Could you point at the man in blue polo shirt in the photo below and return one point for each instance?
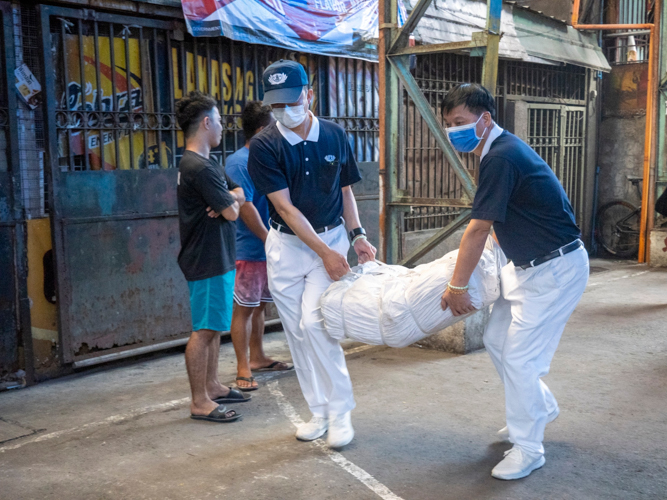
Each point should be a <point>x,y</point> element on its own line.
<point>519,195</point>
<point>306,168</point>
<point>251,291</point>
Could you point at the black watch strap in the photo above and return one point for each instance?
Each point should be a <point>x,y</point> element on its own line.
<point>356,232</point>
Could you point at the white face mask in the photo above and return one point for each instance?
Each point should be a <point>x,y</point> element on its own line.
<point>291,116</point>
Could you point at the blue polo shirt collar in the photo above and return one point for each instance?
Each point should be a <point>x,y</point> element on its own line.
<point>294,139</point>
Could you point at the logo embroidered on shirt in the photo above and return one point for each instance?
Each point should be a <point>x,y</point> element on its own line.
<point>330,158</point>
<point>277,78</point>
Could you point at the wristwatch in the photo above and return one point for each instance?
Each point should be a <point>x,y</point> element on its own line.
<point>356,232</point>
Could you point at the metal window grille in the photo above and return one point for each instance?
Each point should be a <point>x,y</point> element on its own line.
<point>631,46</point>
<point>122,118</point>
<point>30,121</point>
<point>557,134</point>
<point>4,112</point>
<point>424,172</point>
<point>545,82</point>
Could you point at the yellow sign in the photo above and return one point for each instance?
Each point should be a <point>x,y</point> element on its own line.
<point>118,92</point>
<point>113,134</point>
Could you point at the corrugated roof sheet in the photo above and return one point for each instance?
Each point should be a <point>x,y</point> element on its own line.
<point>526,35</point>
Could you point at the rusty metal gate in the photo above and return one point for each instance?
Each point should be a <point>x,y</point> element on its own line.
<point>558,133</point>
<point>111,83</point>
<point>111,138</point>
<point>15,336</point>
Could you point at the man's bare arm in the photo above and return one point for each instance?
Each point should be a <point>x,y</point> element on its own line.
<point>350,210</point>
<point>365,251</point>
<point>250,216</point>
<point>238,195</point>
<point>470,251</point>
<point>231,212</point>
<point>335,264</point>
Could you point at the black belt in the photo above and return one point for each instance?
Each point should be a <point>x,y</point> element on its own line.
<point>285,229</point>
<point>571,247</point>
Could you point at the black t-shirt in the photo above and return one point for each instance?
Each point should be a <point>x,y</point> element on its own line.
<point>208,246</point>
<point>314,170</point>
<point>520,193</point>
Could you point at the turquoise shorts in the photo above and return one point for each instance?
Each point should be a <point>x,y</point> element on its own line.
<point>211,302</point>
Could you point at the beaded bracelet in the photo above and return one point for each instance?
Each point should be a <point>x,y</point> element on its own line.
<point>457,287</point>
<point>457,290</point>
<point>359,237</point>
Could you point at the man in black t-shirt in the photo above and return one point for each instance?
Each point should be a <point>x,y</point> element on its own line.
<point>306,168</point>
<point>208,205</point>
<point>519,195</point>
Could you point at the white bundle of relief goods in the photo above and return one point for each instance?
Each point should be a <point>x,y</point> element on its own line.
<point>396,306</point>
<point>358,294</point>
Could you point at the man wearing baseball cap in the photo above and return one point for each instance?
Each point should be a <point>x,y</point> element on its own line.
<point>306,168</point>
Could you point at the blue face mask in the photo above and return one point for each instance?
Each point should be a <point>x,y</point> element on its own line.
<point>464,138</point>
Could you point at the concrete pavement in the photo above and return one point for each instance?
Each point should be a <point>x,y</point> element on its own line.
<point>425,421</point>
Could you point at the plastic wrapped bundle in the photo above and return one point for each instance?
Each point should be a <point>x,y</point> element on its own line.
<point>332,300</point>
<point>411,304</point>
<point>362,302</point>
<point>396,306</point>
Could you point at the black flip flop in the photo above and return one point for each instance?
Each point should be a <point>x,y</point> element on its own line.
<point>218,415</point>
<point>234,396</point>
<point>271,368</point>
<point>247,379</point>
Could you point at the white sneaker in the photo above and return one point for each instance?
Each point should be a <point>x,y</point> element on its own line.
<point>504,433</point>
<point>517,464</point>
<point>313,429</point>
<point>340,430</point>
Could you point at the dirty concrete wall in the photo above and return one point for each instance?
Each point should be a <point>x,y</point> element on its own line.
<point>621,140</point>
<point>621,154</point>
<point>658,248</point>
<point>413,239</point>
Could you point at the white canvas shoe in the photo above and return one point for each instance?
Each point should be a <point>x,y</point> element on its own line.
<point>340,430</point>
<point>504,433</point>
<point>313,429</point>
<point>517,464</point>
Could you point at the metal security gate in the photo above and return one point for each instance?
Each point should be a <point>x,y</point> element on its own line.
<point>558,134</point>
<point>113,144</point>
<point>15,337</point>
<point>112,139</point>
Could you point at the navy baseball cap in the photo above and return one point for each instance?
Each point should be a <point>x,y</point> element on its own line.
<point>283,82</point>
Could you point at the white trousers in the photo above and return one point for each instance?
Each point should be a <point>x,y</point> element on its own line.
<point>297,280</point>
<point>522,335</point>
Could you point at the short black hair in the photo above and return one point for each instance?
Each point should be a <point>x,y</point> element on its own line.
<point>475,97</point>
<point>255,115</point>
<point>191,109</point>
